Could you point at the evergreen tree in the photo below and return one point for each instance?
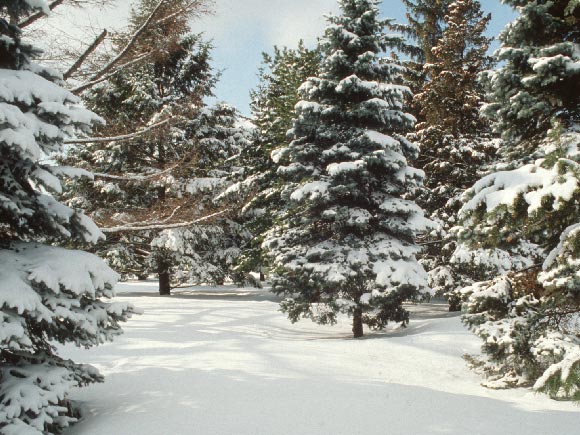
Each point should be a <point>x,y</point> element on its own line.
<point>150,183</point>
<point>47,294</point>
<point>424,29</point>
<point>134,176</point>
<point>455,140</point>
<point>256,189</point>
<point>425,26</point>
<point>344,241</point>
<point>520,223</point>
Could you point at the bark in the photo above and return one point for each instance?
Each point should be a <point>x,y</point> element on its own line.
<point>164,285</point>
<point>357,325</point>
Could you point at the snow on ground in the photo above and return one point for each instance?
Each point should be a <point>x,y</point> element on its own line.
<point>225,361</point>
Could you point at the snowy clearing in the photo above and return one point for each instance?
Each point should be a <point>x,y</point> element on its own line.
<point>225,361</point>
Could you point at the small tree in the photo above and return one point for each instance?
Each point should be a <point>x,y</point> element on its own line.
<point>344,240</point>
<point>47,294</point>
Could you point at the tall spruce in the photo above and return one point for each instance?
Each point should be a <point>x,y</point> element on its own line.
<point>455,141</point>
<point>520,223</point>
<point>47,294</point>
<point>256,189</point>
<point>344,242</point>
<point>425,25</point>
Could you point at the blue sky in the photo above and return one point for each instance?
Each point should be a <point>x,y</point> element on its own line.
<point>242,29</point>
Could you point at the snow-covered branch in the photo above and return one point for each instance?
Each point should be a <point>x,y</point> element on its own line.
<point>118,138</point>
<point>134,177</point>
<point>32,18</point>
<point>162,226</point>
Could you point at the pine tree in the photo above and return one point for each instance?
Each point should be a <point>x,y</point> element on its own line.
<point>344,242</point>
<point>455,140</point>
<point>152,182</point>
<point>424,30</point>
<point>256,189</point>
<point>425,26</point>
<point>520,223</point>
<point>47,294</point>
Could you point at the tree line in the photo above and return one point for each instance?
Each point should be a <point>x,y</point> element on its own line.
<point>389,163</point>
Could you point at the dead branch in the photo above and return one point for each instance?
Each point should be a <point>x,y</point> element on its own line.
<point>134,177</point>
<point>117,138</point>
<point>32,18</point>
<point>86,54</point>
<point>125,228</point>
<point>92,83</point>
<point>104,70</point>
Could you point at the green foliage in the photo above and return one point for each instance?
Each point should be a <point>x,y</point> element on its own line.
<point>532,199</point>
<point>343,235</point>
<point>280,75</point>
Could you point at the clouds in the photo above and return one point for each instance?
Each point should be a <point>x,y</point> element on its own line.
<point>240,29</point>
<point>268,22</point>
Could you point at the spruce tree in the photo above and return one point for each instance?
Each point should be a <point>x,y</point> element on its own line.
<point>424,29</point>
<point>425,26</point>
<point>344,242</point>
<point>47,294</point>
<point>520,223</point>
<point>455,141</point>
<point>256,188</point>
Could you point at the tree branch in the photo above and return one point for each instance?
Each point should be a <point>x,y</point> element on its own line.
<point>129,44</point>
<point>86,54</point>
<point>92,83</point>
<point>32,18</point>
<point>125,228</point>
<point>117,138</point>
<point>134,177</point>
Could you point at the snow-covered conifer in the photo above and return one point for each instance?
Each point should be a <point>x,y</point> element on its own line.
<point>47,294</point>
<point>344,242</point>
<point>455,140</point>
<point>148,184</point>
<point>255,189</point>
<point>521,221</point>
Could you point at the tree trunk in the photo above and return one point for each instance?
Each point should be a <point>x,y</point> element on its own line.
<point>164,286</point>
<point>357,325</point>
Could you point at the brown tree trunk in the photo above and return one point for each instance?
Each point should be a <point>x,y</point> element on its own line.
<point>357,325</point>
<point>164,285</point>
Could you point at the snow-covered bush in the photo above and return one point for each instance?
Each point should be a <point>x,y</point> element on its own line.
<point>47,294</point>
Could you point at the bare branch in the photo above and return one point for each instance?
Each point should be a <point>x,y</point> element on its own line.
<point>92,83</point>
<point>104,70</point>
<point>86,54</point>
<point>134,177</point>
<point>32,18</point>
<point>126,228</point>
<point>118,138</point>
